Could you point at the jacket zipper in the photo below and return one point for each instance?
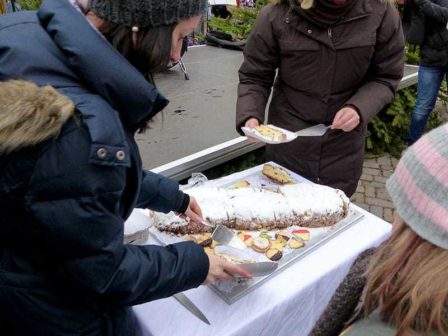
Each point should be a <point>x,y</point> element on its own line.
<point>330,34</point>
<point>352,19</point>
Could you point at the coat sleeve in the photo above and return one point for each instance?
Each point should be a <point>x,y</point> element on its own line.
<point>77,222</point>
<point>160,193</point>
<point>257,73</point>
<point>386,69</point>
<point>433,10</point>
<point>345,300</point>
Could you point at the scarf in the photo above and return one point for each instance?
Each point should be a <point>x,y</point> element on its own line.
<point>324,13</point>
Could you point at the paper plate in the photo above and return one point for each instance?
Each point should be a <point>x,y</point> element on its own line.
<point>252,132</point>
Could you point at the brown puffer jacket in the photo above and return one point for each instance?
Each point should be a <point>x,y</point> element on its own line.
<point>358,61</point>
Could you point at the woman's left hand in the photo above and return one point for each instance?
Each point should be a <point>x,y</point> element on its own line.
<point>194,211</point>
<point>347,119</point>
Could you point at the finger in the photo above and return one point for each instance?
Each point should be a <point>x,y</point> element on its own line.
<point>252,139</point>
<point>236,270</point>
<point>224,276</point>
<point>194,205</point>
<point>336,120</point>
<point>350,124</point>
<point>193,216</point>
<point>252,122</point>
<point>343,119</point>
<point>197,210</point>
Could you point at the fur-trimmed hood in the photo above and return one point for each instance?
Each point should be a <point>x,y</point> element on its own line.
<point>30,115</point>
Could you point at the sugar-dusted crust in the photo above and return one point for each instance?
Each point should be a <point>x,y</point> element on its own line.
<point>251,209</point>
<point>270,133</point>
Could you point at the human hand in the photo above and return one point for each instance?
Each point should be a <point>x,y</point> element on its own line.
<point>252,123</point>
<point>194,211</point>
<point>346,119</point>
<point>221,270</point>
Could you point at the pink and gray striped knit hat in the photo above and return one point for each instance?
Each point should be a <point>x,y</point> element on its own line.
<point>419,187</point>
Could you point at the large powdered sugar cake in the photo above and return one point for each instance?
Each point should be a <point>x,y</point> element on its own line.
<point>303,204</point>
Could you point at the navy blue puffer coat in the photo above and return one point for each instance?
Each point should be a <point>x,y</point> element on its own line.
<point>64,269</point>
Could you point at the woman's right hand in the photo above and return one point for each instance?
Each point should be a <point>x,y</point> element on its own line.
<point>221,270</point>
<point>252,123</point>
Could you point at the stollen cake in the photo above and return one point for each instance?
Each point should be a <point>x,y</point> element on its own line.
<point>251,209</point>
<point>268,132</point>
<point>277,174</point>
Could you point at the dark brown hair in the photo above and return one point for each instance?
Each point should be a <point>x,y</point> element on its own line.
<point>151,52</point>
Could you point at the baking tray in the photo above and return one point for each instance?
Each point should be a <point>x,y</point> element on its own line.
<point>231,291</point>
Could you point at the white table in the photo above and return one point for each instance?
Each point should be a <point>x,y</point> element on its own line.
<point>287,304</point>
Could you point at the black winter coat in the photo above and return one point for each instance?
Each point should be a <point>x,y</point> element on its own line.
<point>434,49</point>
<point>65,196</point>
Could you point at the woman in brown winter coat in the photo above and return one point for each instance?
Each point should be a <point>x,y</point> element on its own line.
<point>339,62</point>
<point>401,288</point>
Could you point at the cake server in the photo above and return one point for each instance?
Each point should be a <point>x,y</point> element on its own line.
<point>226,236</point>
<point>316,130</point>
<point>191,307</point>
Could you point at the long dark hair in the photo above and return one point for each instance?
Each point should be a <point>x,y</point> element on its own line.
<point>151,52</point>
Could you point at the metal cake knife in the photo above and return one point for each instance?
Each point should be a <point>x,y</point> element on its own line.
<point>192,308</point>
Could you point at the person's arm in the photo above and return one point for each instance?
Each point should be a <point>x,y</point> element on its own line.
<point>386,69</point>
<point>345,300</point>
<point>257,72</point>
<point>160,193</point>
<point>77,219</point>
<point>433,10</point>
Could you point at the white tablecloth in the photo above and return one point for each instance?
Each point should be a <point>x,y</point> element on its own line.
<point>287,304</point>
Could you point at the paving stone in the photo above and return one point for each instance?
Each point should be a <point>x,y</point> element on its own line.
<point>384,160</point>
<point>383,194</point>
<point>370,191</point>
<point>387,167</point>
<point>371,163</point>
<point>377,185</point>
<point>358,198</point>
<point>380,179</point>
<point>371,171</point>
<point>377,211</point>
<point>366,177</point>
<point>388,215</point>
<point>364,206</point>
<point>379,202</point>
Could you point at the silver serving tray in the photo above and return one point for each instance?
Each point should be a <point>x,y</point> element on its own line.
<point>230,292</point>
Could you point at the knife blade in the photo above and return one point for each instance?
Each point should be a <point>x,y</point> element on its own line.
<point>191,307</point>
<point>259,269</point>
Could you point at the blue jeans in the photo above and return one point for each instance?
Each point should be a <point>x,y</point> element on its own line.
<point>429,81</point>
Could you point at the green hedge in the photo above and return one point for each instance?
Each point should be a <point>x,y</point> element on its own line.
<point>388,131</point>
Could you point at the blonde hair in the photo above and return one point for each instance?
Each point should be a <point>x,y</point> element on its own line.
<point>407,282</point>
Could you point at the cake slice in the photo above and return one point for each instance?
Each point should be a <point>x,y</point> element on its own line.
<point>277,174</point>
<point>271,133</point>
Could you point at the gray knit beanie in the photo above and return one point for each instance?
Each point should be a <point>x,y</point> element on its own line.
<point>419,187</point>
<point>147,13</point>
